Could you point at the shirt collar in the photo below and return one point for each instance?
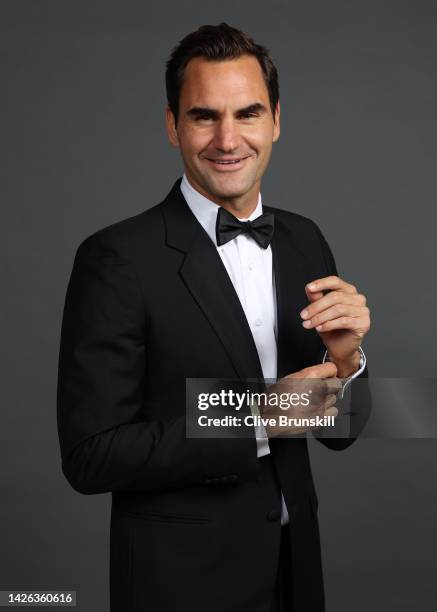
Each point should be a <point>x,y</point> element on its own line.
<point>206,211</point>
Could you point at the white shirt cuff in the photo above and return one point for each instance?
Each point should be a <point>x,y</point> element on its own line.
<point>348,380</point>
<point>262,440</point>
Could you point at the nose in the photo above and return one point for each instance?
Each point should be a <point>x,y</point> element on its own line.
<point>226,135</point>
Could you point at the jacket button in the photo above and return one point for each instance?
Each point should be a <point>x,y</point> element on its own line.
<point>273,516</point>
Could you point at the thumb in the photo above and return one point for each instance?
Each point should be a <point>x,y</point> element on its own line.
<point>313,296</point>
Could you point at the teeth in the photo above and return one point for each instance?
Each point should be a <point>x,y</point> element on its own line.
<point>235,161</point>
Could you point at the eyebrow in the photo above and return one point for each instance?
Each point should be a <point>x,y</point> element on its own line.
<point>197,111</point>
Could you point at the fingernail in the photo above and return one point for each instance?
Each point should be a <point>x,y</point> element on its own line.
<point>319,327</point>
<point>307,323</point>
<point>304,314</point>
<point>312,287</point>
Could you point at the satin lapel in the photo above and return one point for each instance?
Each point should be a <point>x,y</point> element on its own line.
<point>289,266</point>
<point>208,282</point>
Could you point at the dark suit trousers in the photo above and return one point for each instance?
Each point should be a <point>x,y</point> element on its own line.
<point>283,592</point>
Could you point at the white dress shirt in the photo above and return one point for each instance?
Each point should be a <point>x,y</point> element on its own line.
<point>251,271</point>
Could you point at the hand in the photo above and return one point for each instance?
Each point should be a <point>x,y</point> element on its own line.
<point>341,318</point>
<point>322,387</point>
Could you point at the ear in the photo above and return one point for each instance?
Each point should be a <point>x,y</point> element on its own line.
<point>277,127</point>
<point>170,123</point>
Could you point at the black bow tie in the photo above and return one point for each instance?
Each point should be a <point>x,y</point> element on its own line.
<point>228,227</point>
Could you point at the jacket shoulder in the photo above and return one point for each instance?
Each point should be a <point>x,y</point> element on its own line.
<point>127,236</point>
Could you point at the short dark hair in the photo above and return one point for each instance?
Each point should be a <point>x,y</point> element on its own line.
<point>217,43</point>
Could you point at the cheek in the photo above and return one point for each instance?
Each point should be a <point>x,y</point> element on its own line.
<point>193,142</point>
<point>261,140</point>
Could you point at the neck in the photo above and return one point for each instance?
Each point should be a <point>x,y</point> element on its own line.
<point>239,206</point>
<point>241,210</point>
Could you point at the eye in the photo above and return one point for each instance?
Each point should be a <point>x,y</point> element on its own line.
<point>204,118</point>
<point>249,115</point>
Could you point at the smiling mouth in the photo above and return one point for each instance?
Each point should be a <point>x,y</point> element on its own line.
<point>227,162</point>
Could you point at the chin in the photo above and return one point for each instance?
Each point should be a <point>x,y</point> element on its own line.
<point>221,194</point>
<point>230,188</point>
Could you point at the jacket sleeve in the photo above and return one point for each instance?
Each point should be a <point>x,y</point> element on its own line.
<point>354,409</point>
<point>106,442</point>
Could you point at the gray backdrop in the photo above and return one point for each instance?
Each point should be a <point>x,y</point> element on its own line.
<point>84,145</point>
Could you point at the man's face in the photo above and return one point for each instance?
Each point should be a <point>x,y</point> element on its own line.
<point>225,128</point>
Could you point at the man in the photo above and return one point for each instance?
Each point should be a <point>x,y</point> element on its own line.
<point>189,289</point>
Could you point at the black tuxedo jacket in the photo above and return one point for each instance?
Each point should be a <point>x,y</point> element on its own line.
<point>195,524</point>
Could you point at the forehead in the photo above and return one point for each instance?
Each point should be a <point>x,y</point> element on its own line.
<point>236,82</point>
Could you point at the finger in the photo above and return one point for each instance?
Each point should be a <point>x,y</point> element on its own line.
<point>330,401</point>
<point>330,299</point>
<point>332,411</point>
<point>334,312</point>
<point>321,370</point>
<point>355,324</point>
<point>313,296</point>
<point>334,385</point>
<point>330,283</point>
